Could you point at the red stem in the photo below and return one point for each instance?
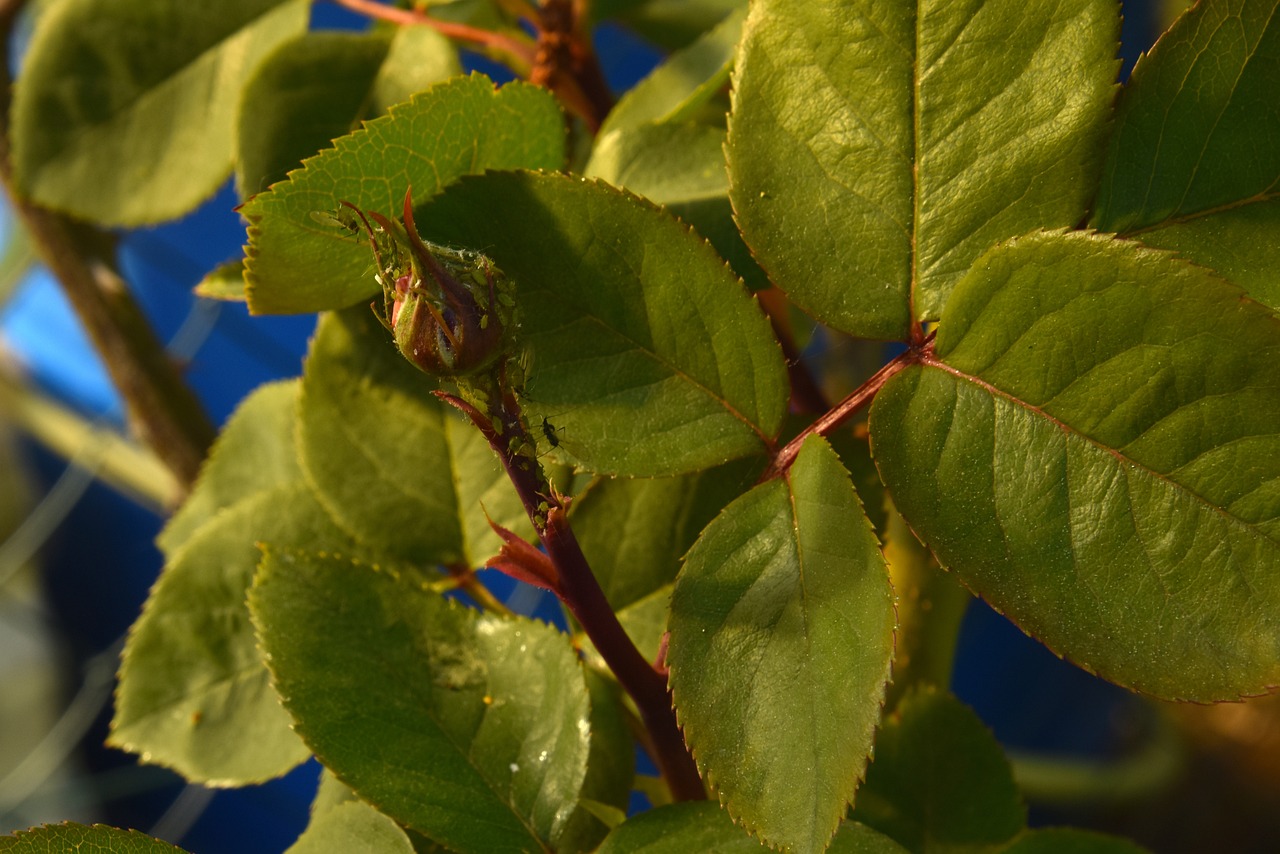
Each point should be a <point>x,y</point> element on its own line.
<point>844,410</point>
<point>581,593</point>
<point>520,51</point>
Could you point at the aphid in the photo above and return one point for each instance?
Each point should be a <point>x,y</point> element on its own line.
<point>340,218</point>
<point>550,432</point>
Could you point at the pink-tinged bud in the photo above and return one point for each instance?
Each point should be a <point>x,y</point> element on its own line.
<point>450,310</point>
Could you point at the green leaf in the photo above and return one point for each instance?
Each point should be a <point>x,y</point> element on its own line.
<point>321,86</point>
<point>255,452</point>
<point>939,779</point>
<point>634,531</point>
<point>83,839</point>
<point>679,829</point>
<point>681,167</point>
<point>1196,127</point>
<point>611,768</point>
<point>123,113</point>
<point>224,282</point>
<point>704,827</point>
<point>669,23</point>
<point>644,347</point>
<point>685,81</point>
<point>782,629</point>
<point>194,694</point>
<point>1239,242</point>
<point>454,128</point>
<point>1194,162</point>
<point>469,728</point>
<point>1062,840</point>
<point>867,180</point>
<point>399,470</point>
<point>352,828</point>
<point>1094,448</point>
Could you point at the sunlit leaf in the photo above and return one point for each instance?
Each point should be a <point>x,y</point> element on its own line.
<point>462,126</point>
<point>61,838</point>
<point>1194,163</point>
<point>319,87</point>
<point>194,694</point>
<point>1095,449</point>
<point>675,89</point>
<point>124,113</point>
<point>351,828</point>
<point>644,347</point>
<point>781,637</point>
<point>469,728</point>
<point>876,149</point>
<point>681,167</point>
<point>224,282</point>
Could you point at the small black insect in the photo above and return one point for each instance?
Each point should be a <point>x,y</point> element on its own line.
<point>550,432</point>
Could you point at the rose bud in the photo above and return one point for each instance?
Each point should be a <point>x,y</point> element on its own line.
<point>449,310</point>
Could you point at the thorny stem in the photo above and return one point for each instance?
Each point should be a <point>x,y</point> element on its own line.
<point>581,593</point>
<point>846,409</point>
<point>162,408</point>
<point>520,51</point>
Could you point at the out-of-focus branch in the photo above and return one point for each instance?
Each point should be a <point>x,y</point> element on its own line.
<point>161,407</point>
<point>520,51</point>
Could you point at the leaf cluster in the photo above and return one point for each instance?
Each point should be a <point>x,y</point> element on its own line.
<point>1081,426</point>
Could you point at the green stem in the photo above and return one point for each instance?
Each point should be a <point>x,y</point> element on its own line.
<point>931,606</point>
<point>162,409</point>
<point>1068,782</point>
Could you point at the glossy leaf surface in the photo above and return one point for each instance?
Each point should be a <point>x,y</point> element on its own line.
<point>398,469</point>
<point>319,87</point>
<point>120,127</point>
<point>90,839</point>
<point>471,729</point>
<point>462,126</point>
<point>644,347</point>
<point>1194,163</point>
<point>876,149</point>
<point>1096,451</point>
<point>781,638</point>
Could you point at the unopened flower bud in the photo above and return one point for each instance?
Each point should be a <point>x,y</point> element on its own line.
<point>450,310</point>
